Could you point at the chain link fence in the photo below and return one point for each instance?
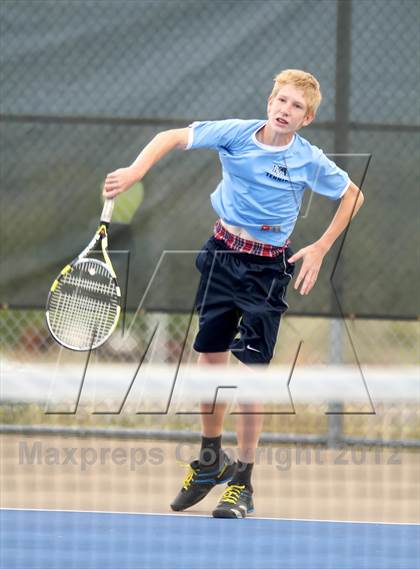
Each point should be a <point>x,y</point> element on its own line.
<point>85,85</point>
<point>24,336</point>
<point>89,84</point>
<point>384,349</point>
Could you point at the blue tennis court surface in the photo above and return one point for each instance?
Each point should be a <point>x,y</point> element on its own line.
<point>44,539</point>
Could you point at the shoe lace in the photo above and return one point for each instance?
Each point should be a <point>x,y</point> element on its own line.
<point>189,476</point>
<point>232,493</point>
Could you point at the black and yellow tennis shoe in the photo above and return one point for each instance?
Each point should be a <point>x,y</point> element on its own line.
<point>201,479</point>
<point>236,502</point>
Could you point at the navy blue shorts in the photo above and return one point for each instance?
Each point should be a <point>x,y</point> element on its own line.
<point>240,300</point>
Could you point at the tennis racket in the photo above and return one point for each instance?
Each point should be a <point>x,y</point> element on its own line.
<point>84,302</point>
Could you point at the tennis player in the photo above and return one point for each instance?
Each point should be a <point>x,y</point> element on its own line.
<point>247,263</point>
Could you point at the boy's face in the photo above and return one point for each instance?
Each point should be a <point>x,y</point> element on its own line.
<point>287,110</point>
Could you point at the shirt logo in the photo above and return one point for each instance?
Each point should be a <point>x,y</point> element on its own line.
<point>275,228</point>
<point>278,172</point>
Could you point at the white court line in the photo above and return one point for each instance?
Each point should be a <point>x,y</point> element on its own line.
<point>209,516</point>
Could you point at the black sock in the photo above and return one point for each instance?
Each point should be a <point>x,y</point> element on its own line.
<point>210,450</point>
<point>242,475</point>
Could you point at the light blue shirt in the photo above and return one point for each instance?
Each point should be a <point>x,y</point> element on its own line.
<point>262,186</point>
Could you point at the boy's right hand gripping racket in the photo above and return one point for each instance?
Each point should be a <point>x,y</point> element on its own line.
<point>84,302</point>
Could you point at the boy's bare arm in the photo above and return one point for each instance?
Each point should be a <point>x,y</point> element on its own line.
<point>313,254</point>
<point>350,204</point>
<point>122,179</point>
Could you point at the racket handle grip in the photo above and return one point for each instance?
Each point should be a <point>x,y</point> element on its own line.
<point>107,211</point>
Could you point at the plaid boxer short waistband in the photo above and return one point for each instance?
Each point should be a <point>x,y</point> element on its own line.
<point>246,245</point>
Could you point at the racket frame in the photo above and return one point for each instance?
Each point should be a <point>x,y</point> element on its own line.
<point>101,235</point>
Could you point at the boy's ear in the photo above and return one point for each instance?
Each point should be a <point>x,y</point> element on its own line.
<point>308,119</point>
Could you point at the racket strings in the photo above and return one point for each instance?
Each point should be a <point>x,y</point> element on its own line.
<point>81,321</point>
<point>90,285</point>
<point>84,308</point>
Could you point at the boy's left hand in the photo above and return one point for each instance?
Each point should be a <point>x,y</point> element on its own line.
<point>312,256</point>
